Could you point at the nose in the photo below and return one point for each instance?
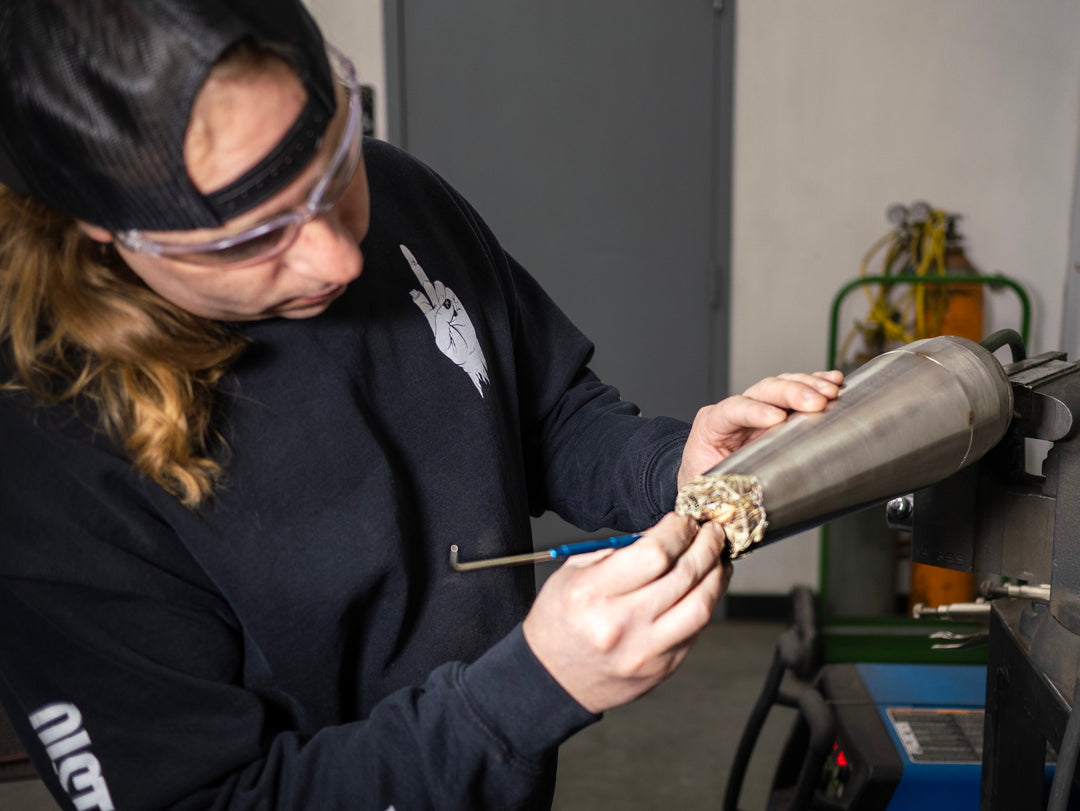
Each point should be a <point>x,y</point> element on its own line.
<point>325,250</point>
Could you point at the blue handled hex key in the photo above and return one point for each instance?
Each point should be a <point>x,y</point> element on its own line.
<point>555,553</point>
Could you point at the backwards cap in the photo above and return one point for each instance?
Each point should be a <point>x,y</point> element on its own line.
<point>95,97</point>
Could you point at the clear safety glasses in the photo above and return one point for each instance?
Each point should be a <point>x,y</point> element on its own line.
<point>273,236</point>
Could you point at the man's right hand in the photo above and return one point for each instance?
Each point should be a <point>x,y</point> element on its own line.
<point>611,625</point>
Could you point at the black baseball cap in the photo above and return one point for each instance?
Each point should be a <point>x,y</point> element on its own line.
<point>95,98</point>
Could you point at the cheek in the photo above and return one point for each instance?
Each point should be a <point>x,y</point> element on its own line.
<point>197,291</point>
<point>154,273</point>
<point>355,205</point>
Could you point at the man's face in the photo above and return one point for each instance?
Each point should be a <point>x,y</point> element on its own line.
<point>236,121</point>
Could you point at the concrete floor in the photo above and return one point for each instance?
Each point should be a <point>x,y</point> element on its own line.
<point>671,749</point>
<point>26,795</point>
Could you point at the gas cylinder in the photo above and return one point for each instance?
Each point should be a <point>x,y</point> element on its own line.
<point>962,315</point>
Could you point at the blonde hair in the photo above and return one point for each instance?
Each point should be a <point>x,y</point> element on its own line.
<point>79,326</point>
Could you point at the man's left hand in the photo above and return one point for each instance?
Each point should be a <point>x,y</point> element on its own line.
<point>721,429</point>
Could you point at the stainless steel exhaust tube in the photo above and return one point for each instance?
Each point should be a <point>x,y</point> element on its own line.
<point>904,420</point>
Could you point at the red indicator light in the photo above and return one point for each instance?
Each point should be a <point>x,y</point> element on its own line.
<point>841,759</point>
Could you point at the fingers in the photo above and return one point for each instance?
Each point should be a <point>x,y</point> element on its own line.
<point>669,561</point>
<point>739,412</point>
<point>607,648</point>
<point>647,559</point>
<point>684,620</point>
<point>797,392</point>
<point>768,402</point>
<point>832,375</point>
<point>825,382</point>
<point>418,271</point>
<point>421,301</point>
<point>680,583</point>
<point>698,569</point>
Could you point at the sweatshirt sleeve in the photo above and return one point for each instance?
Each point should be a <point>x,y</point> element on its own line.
<point>599,462</point>
<point>126,672</point>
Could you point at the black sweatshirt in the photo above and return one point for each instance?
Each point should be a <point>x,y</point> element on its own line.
<point>301,642</point>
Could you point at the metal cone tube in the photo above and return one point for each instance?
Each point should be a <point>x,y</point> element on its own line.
<point>904,420</point>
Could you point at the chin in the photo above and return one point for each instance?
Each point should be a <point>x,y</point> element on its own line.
<point>308,307</point>
<point>303,312</point>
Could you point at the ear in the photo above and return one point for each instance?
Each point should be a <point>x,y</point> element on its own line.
<point>95,232</point>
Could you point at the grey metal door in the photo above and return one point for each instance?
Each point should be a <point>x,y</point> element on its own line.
<point>594,138</point>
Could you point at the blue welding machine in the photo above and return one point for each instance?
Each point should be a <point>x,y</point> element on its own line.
<point>895,737</point>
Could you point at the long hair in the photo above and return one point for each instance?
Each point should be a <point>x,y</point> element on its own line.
<point>81,328</point>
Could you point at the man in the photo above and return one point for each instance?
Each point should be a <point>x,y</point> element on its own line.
<point>262,377</point>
